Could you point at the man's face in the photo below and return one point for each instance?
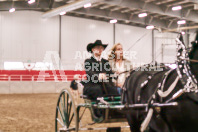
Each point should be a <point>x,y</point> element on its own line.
<point>97,50</point>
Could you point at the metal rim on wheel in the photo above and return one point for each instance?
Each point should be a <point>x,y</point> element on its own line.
<point>66,115</point>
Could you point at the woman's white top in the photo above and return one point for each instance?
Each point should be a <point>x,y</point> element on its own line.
<point>125,66</point>
<point>120,68</point>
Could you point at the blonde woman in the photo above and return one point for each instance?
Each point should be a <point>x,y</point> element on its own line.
<point>119,64</point>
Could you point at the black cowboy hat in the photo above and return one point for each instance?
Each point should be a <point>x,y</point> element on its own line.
<point>97,42</point>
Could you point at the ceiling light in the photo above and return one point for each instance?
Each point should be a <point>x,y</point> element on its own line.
<point>68,7</point>
<point>150,27</point>
<point>87,5</point>
<point>181,22</point>
<point>183,33</point>
<point>12,10</point>
<point>142,15</point>
<point>176,8</point>
<point>63,13</point>
<point>31,1</point>
<point>113,21</point>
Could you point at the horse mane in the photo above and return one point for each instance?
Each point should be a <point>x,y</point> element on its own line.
<point>194,46</point>
<point>192,52</point>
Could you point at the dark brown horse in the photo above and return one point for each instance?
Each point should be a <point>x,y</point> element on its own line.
<point>144,86</point>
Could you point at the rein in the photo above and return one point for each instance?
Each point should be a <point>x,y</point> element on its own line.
<point>191,60</point>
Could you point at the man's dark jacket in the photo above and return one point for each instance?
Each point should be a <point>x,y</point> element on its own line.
<point>93,68</point>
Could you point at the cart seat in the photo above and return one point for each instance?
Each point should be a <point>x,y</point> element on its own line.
<point>109,115</point>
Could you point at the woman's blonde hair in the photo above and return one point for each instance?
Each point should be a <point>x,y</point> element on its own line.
<point>112,54</point>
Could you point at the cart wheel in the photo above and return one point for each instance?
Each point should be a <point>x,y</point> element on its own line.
<point>66,116</point>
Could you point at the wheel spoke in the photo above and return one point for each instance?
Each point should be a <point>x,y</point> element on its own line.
<point>67,102</point>
<point>68,113</point>
<point>71,119</point>
<point>82,113</point>
<point>64,109</point>
<point>63,119</point>
<point>61,102</point>
<point>60,122</point>
<point>64,99</point>
<point>70,106</point>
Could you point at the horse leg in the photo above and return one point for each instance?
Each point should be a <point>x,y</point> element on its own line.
<point>133,122</point>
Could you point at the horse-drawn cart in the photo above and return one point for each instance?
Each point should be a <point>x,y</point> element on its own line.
<point>68,115</point>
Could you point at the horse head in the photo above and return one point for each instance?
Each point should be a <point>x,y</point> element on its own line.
<point>180,84</point>
<point>193,56</point>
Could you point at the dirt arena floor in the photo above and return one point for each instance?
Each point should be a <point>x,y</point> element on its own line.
<point>34,113</point>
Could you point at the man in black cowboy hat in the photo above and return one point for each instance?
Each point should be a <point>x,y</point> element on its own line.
<point>98,72</point>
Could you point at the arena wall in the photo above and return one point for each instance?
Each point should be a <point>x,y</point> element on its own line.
<point>14,81</point>
<point>136,41</point>
<point>26,36</point>
<point>27,87</point>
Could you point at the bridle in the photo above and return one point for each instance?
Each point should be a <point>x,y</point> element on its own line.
<point>188,50</point>
<point>186,77</point>
<point>183,68</point>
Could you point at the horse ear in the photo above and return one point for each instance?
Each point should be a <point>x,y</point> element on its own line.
<point>181,38</point>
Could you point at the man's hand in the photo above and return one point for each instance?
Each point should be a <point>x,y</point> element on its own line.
<point>102,76</point>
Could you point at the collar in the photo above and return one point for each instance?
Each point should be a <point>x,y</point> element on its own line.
<point>97,58</point>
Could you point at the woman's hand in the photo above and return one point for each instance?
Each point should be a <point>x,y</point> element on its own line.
<point>117,72</point>
<point>119,85</point>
